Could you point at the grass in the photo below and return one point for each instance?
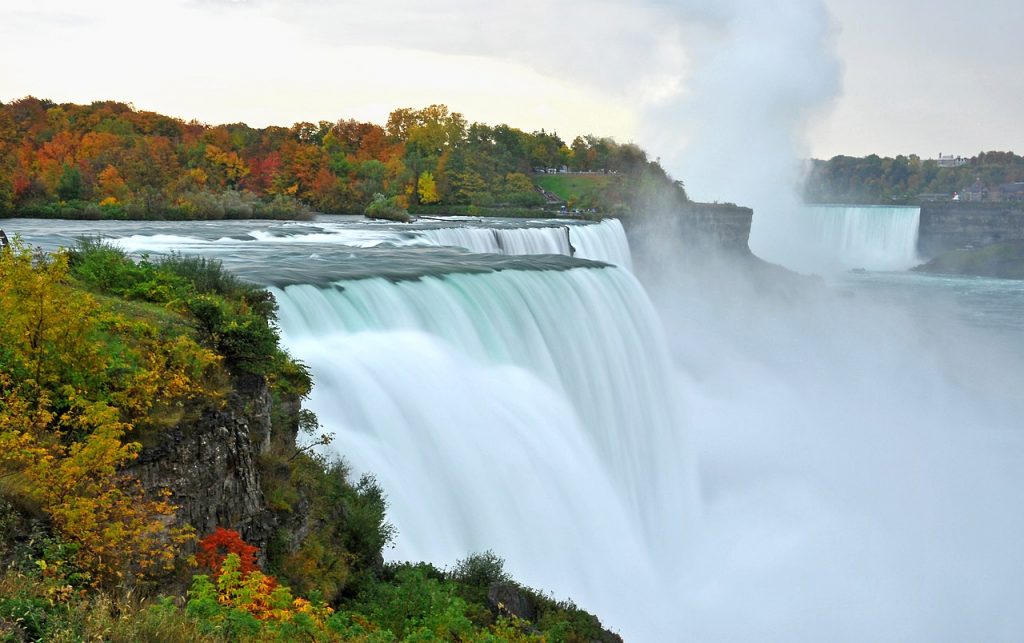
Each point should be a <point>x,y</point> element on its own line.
<point>169,322</point>
<point>37,609</point>
<point>574,187</point>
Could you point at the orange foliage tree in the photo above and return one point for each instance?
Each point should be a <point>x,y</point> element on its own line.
<point>216,547</point>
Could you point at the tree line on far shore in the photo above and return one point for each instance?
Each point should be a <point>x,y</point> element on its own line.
<point>907,179</point>
<point>109,160</point>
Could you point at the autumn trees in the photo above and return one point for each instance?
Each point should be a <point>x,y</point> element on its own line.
<point>108,159</point>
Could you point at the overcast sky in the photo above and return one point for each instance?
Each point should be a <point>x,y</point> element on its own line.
<point>688,79</point>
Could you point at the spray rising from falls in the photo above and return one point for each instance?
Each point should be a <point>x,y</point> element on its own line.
<point>527,411</point>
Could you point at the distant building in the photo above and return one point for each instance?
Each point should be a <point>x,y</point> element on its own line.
<point>950,161</point>
<point>974,192</point>
<point>1009,192</point>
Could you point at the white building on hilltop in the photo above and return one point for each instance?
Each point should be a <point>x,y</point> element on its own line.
<point>951,161</point>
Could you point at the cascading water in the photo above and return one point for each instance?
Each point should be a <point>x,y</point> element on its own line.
<point>827,238</point>
<point>587,336</point>
<point>526,411</point>
<point>604,241</point>
<point>510,241</point>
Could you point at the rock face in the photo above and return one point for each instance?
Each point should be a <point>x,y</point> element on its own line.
<point>507,599</point>
<point>951,225</point>
<point>696,226</point>
<point>724,224</point>
<point>209,464</point>
<point>698,233</point>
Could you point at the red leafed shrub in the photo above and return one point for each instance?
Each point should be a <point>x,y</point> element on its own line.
<point>213,549</point>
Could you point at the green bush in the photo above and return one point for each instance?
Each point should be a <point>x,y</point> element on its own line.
<point>341,552</point>
<point>206,275</point>
<point>416,604</point>
<point>382,207</point>
<point>107,269</point>
<point>476,573</point>
<point>232,317</point>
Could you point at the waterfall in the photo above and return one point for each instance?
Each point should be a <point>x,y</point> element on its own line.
<point>510,241</point>
<point>604,241</point>
<point>528,411</point>
<point>824,238</point>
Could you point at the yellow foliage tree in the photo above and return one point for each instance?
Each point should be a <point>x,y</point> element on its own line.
<point>230,163</point>
<point>518,182</point>
<point>74,381</point>
<point>427,188</point>
<point>260,596</point>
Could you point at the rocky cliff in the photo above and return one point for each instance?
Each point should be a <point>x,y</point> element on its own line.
<point>210,463</point>
<point>696,226</point>
<point>725,224</point>
<point>952,225</point>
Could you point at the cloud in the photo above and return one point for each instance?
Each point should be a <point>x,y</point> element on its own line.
<point>626,51</point>
<point>21,21</point>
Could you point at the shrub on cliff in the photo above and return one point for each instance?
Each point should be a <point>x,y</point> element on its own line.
<point>231,317</point>
<point>246,340</point>
<point>347,527</point>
